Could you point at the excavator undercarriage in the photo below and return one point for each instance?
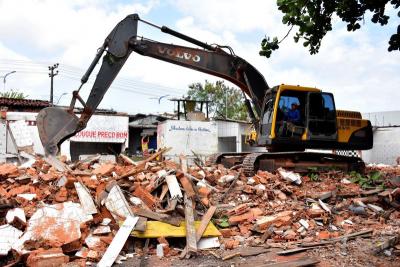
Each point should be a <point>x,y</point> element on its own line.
<point>303,162</point>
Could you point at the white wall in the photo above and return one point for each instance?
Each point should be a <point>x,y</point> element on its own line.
<point>30,119</point>
<point>185,136</point>
<point>227,144</point>
<point>105,128</point>
<point>384,118</point>
<point>386,146</point>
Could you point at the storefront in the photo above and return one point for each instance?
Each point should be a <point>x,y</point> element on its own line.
<point>104,134</point>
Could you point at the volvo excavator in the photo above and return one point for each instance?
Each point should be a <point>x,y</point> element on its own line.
<point>317,123</point>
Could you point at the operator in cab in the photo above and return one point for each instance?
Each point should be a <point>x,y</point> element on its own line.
<point>293,115</point>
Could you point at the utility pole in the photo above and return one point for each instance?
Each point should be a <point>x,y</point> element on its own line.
<point>226,104</point>
<point>51,75</point>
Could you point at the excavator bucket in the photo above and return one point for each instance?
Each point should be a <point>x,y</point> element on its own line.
<point>55,125</point>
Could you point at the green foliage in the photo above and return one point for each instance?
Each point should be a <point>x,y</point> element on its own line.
<point>223,222</point>
<point>220,94</point>
<point>313,174</point>
<point>313,19</point>
<point>314,177</point>
<point>370,180</point>
<point>13,94</point>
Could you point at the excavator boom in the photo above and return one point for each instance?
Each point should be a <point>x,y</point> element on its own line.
<point>56,125</point>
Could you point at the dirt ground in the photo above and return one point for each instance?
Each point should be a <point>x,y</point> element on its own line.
<point>352,253</point>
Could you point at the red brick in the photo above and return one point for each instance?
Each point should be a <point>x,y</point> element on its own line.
<point>227,232</point>
<point>279,219</point>
<point>47,258</point>
<point>315,213</point>
<point>248,216</point>
<point>187,186</point>
<point>324,235</point>
<point>104,169</point>
<point>238,210</point>
<point>18,190</point>
<point>231,244</point>
<point>205,201</point>
<point>204,191</point>
<point>3,192</point>
<point>47,177</point>
<point>162,240</point>
<point>244,229</point>
<point>90,183</point>
<point>8,169</point>
<point>61,195</point>
<point>145,196</point>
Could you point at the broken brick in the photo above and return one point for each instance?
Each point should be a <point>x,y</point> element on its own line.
<point>104,169</point>
<point>248,216</point>
<point>48,177</point>
<point>18,190</point>
<point>238,210</point>
<point>187,186</point>
<point>47,258</point>
<point>231,244</point>
<point>227,232</point>
<point>145,196</point>
<point>324,235</point>
<point>7,170</point>
<point>61,195</point>
<point>282,218</point>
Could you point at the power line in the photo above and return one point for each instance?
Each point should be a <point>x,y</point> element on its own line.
<point>78,71</point>
<point>118,87</point>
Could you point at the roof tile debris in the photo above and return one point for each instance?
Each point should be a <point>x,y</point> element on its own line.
<point>12,102</point>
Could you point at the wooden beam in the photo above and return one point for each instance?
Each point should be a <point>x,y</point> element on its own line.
<point>203,225</point>
<point>142,164</point>
<point>191,242</point>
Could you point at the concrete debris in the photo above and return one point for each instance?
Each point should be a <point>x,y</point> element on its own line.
<point>208,242</point>
<point>47,258</point>
<point>28,197</point>
<point>160,250</point>
<point>116,203</point>
<point>173,186</point>
<point>9,236</point>
<point>58,224</point>
<point>290,176</point>
<point>85,198</point>
<point>16,217</point>
<point>92,212</point>
<point>102,229</point>
<point>118,242</point>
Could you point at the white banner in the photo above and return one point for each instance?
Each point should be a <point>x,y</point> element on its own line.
<point>185,136</point>
<point>106,129</point>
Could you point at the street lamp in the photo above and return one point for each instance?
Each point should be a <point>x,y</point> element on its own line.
<point>63,94</point>
<point>4,78</point>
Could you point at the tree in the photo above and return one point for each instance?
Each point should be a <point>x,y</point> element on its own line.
<point>13,94</point>
<point>220,94</point>
<point>314,19</point>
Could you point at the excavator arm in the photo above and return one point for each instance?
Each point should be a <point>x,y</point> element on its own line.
<point>56,125</point>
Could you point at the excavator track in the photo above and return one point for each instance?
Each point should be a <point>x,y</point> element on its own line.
<point>214,159</point>
<point>249,164</point>
<point>296,161</point>
<point>228,159</point>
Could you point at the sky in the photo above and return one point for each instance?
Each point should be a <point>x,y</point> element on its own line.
<point>35,34</point>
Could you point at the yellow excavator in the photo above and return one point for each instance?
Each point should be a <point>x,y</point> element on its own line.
<point>286,119</point>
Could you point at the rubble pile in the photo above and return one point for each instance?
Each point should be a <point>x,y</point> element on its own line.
<point>94,212</point>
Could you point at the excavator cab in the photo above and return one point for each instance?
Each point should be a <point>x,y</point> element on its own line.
<point>295,118</point>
